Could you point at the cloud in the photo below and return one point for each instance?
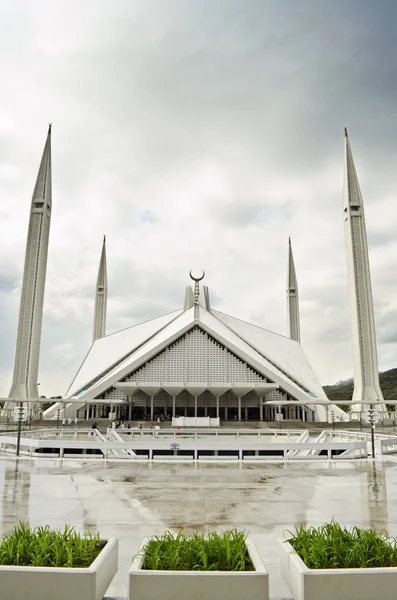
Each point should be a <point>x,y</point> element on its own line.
<point>197,134</point>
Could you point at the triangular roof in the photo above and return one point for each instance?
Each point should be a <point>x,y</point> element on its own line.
<point>245,341</point>
<point>108,352</point>
<point>287,354</point>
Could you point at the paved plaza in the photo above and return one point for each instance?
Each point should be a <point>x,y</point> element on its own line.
<point>135,500</point>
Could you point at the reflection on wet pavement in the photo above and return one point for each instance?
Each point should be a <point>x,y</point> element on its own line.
<point>135,500</point>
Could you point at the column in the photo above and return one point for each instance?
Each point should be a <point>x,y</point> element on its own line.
<point>246,413</point>
<point>261,409</point>
<point>195,406</point>
<point>303,414</point>
<point>151,408</point>
<point>173,406</point>
<point>145,409</point>
<point>206,408</point>
<point>226,415</point>
<point>239,408</point>
<point>217,406</point>
<point>165,407</point>
<point>129,408</point>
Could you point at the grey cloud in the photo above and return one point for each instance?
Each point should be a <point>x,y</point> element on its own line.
<point>198,133</point>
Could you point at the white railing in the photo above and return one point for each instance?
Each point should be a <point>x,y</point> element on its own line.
<point>248,445</point>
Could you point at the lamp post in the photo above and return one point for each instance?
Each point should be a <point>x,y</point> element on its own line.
<point>333,420</point>
<point>20,415</point>
<point>372,418</point>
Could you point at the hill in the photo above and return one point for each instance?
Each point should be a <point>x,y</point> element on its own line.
<point>344,390</point>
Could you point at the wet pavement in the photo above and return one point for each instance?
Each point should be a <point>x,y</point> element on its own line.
<point>135,500</point>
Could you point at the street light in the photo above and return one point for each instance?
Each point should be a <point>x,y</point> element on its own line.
<point>372,418</point>
<point>58,417</point>
<point>333,419</point>
<point>20,414</point>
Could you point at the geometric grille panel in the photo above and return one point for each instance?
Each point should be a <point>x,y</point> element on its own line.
<point>196,357</point>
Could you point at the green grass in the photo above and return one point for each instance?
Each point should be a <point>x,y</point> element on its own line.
<point>197,552</point>
<point>333,547</point>
<point>44,547</point>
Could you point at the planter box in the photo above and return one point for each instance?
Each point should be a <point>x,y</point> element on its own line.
<point>335,584</point>
<point>48,583</point>
<point>199,585</point>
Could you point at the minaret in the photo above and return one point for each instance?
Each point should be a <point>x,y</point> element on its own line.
<point>101,297</point>
<point>27,353</point>
<point>292,299</point>
<point>366,375</point>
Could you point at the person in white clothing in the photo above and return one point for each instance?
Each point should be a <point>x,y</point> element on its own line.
<point>70,421</point>
<point>76,421</point>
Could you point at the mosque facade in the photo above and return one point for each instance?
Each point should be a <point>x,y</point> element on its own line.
<point>196,361</point>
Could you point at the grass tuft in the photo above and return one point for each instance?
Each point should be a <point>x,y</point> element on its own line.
<point>197,552</point>
<point>45,547</point>
<point>331,546</point>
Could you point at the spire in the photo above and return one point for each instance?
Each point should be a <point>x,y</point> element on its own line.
<point>27,353</point>
<point>101,297</point>
<point>366,375</point>
<point>196,291</point>
<point>293,323</point>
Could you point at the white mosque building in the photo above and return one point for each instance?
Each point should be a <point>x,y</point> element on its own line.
<point>195,361</point>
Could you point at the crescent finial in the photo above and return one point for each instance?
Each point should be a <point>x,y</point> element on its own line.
<point>196,278</point>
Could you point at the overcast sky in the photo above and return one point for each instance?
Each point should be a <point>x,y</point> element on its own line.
<point>198,133</point>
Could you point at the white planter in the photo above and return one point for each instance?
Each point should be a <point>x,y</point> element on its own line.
<point>335,584</point>
<point>199,585</point>
<point>48,583</point>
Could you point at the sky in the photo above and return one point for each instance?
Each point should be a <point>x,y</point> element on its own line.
<point>198,134</point>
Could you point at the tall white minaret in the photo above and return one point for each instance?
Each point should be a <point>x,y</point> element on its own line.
<point>24,384</point>
<point>101,297</point>
<point>366,375</point>
<point>292,299</point>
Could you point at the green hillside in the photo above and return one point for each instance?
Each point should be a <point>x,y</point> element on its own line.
<point>388,384</point>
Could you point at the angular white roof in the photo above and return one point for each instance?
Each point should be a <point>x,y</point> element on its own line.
<point>114,348</point>
<point>281,351</point>
<point>114,357</point>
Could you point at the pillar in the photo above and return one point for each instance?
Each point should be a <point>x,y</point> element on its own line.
<point>261,409</point>
<point>195,406</point>
<point>246,413</point>
<point>130,408</point>
<point>151,408</point>
<point>239,408</point>
<point>226,415</point>
<point>173,406</point>
<point>217,406</point>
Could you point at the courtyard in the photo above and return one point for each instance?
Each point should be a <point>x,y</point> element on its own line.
<point>135,500</point>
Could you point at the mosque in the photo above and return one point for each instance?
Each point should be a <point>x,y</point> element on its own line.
<point>196,361</point>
